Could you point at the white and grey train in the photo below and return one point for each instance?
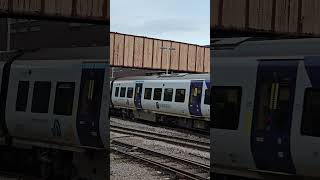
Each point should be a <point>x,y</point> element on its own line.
<point>179,99</point>
<point>266,109</point>
<point>54,113</point>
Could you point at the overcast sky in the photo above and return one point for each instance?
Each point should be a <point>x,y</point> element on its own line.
<point>179,20</point>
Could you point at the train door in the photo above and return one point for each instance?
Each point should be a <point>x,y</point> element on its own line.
<point>274,98</point>
<point>91,89</point>
<point>205,105</point>
<point>138,95</point>
<point>195,97</point>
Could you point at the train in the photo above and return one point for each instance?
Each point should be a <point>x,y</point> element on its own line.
<point>265,102</point>
<point>54,112</point>
<point>179,99</point>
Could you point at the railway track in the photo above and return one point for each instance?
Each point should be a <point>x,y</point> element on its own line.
<point>183,168</point>
<point>200,145</point>
<point>199,132</point>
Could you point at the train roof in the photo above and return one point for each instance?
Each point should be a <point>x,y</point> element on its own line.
<point>247,47</point>
<point>81,53</point>
<point>183,76</point>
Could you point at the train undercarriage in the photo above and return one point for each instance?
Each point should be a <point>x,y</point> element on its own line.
<point>50,164</point>
<point>172,121</point>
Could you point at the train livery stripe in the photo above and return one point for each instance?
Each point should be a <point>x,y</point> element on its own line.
<point>90,98</point>
<point>138,95</point>
<point>271,128</point>
<point>312,65</point>
<point>195,97</point>
<point>3,98</point>
<point>207,84</point>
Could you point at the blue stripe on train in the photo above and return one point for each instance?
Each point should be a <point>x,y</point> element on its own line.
<point>195,101</point>
<point>312,65</point>
<point>208,84</point>
<point>270,146</point>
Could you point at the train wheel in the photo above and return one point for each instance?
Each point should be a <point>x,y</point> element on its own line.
<point>123,114</point>
<point>131,115</point>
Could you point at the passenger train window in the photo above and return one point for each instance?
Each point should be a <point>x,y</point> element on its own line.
<point>282,106</point>
<point>157,94</point>
<point>116,93</point>
<point>207,97</point>
<point>22,96</point>
<point>311,115</point>
<point>226,107</point>
<point>87,92</point>
<point>63,103</point>
<point>138,89</point>
<point>265,104</point>
<point>130,92</point>
<point>196,93</point>
<point>180,95</point>
<point>41,97</point>
<point>147,93</point>
<point>168,94</point>
<point>273,98</point>
<point>123,92</point>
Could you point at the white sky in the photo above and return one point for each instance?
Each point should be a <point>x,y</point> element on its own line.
<point>178,20</point>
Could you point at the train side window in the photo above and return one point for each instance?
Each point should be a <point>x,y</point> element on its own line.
<point>41,97</point>
<point>180,95</point>
<point>63,103</point>
<point>207,97</point>
<point>123,92</point>
<point>168,94</point>
<point>147,93</point>
<point>157,94</point>
<point>130,92</point>
<point>310,124</point>
<point>282,104</point>
<point>266,101</point>
<point>22,96</point>
<point>274,99</point>
<point>195,92</point>
<point>116,93</point>
<point>138,89</point>
<point>226,107</point>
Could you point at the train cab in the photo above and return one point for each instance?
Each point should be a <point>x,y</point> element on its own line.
<point>264,98</point>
